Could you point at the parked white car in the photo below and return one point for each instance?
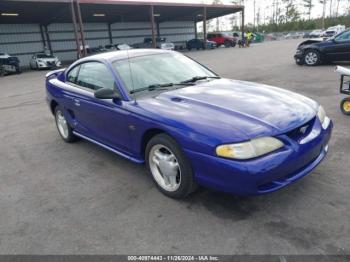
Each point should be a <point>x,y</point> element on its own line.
<point>316,33</point>
<point>42,60</point>
<point>334,30</point>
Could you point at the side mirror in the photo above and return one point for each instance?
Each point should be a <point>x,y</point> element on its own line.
<point>107,93</point>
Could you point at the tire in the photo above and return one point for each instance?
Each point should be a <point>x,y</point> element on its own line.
<point>173,161</point>
<point>345,106</point>
<point>227,43</point>
<point>189,48</point>
<point>67,136</point>
<point>312,58</point>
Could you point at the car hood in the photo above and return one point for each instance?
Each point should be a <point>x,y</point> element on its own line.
<point>231,110</point>
<point>315,42</point>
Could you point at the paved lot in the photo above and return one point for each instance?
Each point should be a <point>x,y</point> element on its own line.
<point>58,198</point>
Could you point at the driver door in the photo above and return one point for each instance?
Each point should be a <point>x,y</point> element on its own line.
<point>102,120</point>
<point>340,50</point>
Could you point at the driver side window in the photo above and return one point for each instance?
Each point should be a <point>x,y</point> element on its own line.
<point>94,76</point>
<point>345,37</point>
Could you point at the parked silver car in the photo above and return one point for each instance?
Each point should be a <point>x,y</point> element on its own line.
<point>161,43</point>
<point>42,60</point>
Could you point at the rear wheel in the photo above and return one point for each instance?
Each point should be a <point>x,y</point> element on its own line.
<point>170,169</point>
<point>345,106</point>
<point>65,131</point>
<point>312,58</point>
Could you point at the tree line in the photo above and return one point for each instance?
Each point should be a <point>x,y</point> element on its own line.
<point>290,15</point>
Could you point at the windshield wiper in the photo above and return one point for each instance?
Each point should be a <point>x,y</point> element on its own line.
<point>157,86</point>
<point>197,78</point>
<point>151,87</point>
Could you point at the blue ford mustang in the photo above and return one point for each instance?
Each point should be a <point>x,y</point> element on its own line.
<point>189,126</point>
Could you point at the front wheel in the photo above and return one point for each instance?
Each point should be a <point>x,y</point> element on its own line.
<point>312,58</point>
<point>170,169</point>
<point>345,106</point>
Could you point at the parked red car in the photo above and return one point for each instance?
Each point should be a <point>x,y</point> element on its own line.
<point>222,39</point>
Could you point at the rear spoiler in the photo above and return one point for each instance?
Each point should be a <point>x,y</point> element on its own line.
<point>54,74</point>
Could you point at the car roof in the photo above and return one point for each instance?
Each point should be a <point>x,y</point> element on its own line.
<point>125,54</point>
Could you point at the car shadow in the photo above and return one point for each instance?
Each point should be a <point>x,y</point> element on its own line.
<point>239,208</point>
<point>221,205</point>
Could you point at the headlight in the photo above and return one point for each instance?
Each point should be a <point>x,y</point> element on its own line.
<point>322,116</point>
<point>250,149</point>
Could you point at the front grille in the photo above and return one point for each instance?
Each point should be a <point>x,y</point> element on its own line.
<point>302,131</point>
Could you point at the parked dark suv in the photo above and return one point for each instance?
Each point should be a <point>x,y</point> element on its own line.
<point>222,39</point>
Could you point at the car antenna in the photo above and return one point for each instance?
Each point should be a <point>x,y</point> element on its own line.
<point>131,75</point>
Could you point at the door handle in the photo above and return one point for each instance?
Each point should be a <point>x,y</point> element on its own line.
<point>76,102</point>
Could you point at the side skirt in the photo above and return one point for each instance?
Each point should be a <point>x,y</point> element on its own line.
<point>135,160</point>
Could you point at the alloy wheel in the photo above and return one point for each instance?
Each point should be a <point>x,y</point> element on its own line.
<point>311,58</point>
<point>165,168</point>
<point>62,124</point>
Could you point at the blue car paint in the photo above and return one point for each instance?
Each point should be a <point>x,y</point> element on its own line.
<point>200,118</point>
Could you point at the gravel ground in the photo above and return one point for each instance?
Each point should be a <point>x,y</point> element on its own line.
<point>58,198</point>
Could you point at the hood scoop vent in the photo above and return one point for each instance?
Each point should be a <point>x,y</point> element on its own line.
<point>176,99</point>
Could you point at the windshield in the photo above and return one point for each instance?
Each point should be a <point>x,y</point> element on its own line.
<point>158,69</point>
<point>44,56</point>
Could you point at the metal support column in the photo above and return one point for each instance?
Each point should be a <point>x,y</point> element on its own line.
<point>110,33</point>
<point>154,44</point>
<point>195,30</point>
<point>205,26</point>
<point>48,38</point>
<point>158,30</point>
<point>43,40</point>
<point>74,20</point>
<point>81,29</point>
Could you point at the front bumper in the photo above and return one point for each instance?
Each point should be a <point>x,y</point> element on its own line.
<point>299,56</point>
<point>265,174</point>
<point>49,64</point>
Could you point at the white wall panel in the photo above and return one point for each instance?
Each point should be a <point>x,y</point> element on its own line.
<point>177,31</point>
<point>21,40</point>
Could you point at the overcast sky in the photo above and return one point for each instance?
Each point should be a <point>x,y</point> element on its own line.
<point>316,12</point>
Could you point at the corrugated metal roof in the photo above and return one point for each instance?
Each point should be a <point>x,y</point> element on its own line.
<point>49,11</point>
